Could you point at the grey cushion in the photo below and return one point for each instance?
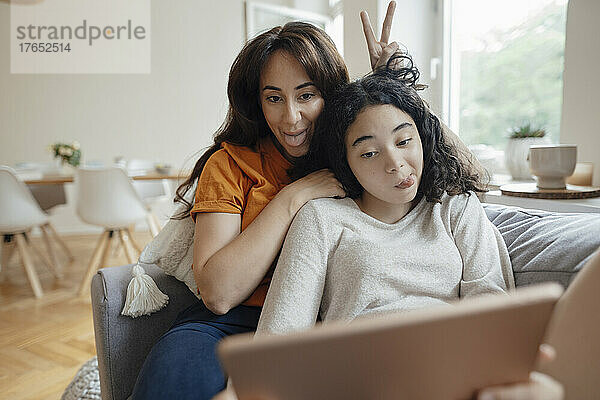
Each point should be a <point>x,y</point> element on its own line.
<point>122,343</point>
<point>545,246</point>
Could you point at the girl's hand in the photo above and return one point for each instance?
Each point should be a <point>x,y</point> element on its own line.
<point>318,184</point>
<point>227,394</point>
<point>380,51</point>
<point>539,387</point>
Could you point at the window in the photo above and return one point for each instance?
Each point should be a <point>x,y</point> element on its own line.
<point>505,67</point>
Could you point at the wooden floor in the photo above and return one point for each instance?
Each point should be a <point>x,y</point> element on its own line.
<point>43,342</point>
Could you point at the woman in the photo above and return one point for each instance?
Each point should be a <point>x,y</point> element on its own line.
<point>245,200</point>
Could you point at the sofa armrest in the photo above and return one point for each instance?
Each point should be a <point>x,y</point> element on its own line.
<point>122,342</point>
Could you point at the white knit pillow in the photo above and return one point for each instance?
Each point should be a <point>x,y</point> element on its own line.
<point>172,251</point>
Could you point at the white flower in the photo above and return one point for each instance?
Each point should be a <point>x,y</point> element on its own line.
<point>68,152</point>
<point>75,145</point>
<point>62,151</point>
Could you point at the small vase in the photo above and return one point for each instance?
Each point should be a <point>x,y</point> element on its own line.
<point>67,169</point>
<point>62,168</point>
<point>516,156</point>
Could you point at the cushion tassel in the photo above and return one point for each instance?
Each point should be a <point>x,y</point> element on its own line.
<point>143,296</point>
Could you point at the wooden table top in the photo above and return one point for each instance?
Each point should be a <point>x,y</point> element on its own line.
<point>531,190</point>
<point>61,179</point>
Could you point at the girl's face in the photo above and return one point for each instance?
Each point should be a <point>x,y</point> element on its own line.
<point>290,102</point>
<point>384,151</point>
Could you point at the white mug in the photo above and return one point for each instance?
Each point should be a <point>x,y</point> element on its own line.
<point>552,163</point>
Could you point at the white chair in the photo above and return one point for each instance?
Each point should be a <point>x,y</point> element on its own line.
<point>106,198</point>
<point>151,192</point>
<point>19,214</point>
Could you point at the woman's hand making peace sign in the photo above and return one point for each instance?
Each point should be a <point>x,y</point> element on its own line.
<point>380,51</point>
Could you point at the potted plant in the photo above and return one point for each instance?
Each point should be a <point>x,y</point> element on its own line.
<point>517,149</point>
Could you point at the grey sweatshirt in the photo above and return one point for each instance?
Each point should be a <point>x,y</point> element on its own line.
<point>342,263</point>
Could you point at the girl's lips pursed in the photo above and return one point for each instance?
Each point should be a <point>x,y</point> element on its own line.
<point>297,139</point>
<point>406,183</point>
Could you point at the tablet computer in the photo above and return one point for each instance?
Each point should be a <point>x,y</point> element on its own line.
<point>442,352</point>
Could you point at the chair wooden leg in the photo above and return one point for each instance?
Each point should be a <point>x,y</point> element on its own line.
<point>8,248</point>
<point>115,248</point>
<point>101,250</point>
<point>129,252</point>
<point>154,227</point>
<point>54,264</point>
<point>109,238</point>
<point>3,262</point>
<point>23,247</point>
<point>118,243</point>
<point>42,256</point>
<point>60,242</point>
<point>133,242</point>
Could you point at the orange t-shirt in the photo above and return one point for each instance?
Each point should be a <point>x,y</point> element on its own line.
<point>240,180</point>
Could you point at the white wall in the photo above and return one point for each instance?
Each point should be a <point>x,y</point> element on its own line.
<point>316,6</point>
<point>355,46</point>
<point>580,122</point>
<point>418,26</point>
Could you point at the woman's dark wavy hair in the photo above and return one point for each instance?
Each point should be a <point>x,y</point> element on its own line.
<point>245,123</point>
<point>443,170</point>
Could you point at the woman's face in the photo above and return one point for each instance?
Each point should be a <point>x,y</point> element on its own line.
<point>290,102</point>
<point>385,154</point>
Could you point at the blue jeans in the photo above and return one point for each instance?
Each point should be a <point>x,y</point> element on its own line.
<point>183,364</point>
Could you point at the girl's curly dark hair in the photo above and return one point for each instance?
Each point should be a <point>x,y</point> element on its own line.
<point>443,170</point>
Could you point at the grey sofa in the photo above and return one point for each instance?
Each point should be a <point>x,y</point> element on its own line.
<point>543,247</point>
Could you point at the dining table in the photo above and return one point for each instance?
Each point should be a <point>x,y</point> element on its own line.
<point>62,179</point>
<point>49,190</point>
